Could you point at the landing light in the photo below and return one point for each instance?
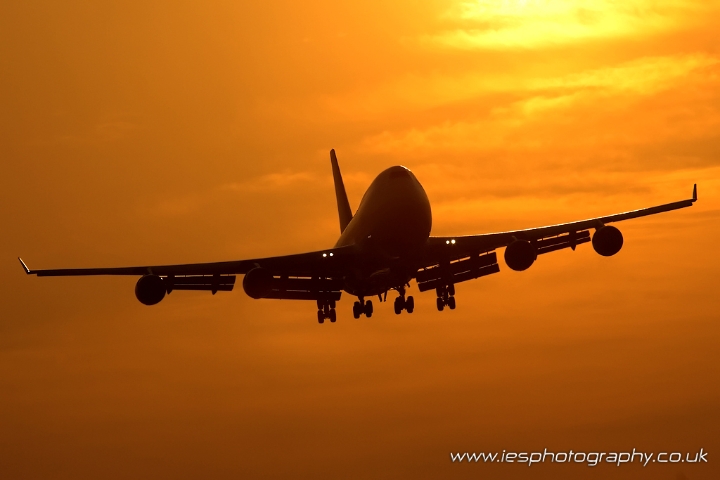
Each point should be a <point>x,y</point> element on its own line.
<point>324,254</point>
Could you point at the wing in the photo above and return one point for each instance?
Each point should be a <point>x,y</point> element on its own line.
<point>324,263</point>
<point>479,248</point>
<point>305,276</point>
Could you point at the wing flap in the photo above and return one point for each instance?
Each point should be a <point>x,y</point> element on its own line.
<point>450,273</point>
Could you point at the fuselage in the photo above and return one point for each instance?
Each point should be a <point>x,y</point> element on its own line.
<point>391,225</point>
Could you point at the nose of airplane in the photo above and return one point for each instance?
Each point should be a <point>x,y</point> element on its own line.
<point>399,172</point>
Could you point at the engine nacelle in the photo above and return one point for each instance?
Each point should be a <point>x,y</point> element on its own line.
<point>607,241</point>
<point>150,289</point>
<point>258,283</point>
<point>520,254</point>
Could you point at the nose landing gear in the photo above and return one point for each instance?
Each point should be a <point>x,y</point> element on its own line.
<point>446,296</point>
<point>403,303</point>
<point>326,309</point>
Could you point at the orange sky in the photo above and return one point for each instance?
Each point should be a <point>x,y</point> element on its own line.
<point>172,132</point>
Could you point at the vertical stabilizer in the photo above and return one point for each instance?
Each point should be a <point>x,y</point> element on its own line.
<point>343,204</point>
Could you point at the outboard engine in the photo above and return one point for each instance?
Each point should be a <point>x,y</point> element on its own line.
<point>520,254</point>
<point>607,241</point>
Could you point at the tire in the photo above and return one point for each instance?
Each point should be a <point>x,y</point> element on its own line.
<point>332,315</point>
<point>440,304</point>
<point>451,303</point>
<point>356,310</point>
<point>398,306</point>
<point>368,308</point>
<point>410,304</point>
<point>321,316</point>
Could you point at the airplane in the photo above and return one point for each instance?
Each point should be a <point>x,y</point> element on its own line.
<point>383,247</point>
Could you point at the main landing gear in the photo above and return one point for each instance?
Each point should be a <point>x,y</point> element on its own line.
<point>402,303</point>
<point>446,296</point>
<point>362,307</point>
<point>326,309</point>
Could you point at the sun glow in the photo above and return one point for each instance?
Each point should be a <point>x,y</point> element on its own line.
<point>537,23</point>
<point>167,131</point>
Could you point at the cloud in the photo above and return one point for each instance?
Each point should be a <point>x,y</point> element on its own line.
<point>540,111</point>
<point>273,181</point>
<point>260,187</point>
<point>414,93</point>
<point>530,24</point>
<point>645,75</point>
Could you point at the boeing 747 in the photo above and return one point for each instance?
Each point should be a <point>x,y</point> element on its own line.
<point>383,247</point>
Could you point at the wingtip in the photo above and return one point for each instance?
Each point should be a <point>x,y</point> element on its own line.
<point>694,199</point>
<point>25,267</point>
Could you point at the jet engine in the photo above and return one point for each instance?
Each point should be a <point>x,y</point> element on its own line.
<point>258,283</point>
<point>607,241</point>
<point>150,289</point>
<point>520,254</point>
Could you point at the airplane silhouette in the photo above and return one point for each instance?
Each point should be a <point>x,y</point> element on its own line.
<point>384,246</point>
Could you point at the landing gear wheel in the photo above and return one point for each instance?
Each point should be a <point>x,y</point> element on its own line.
<point>321,316</point>
<point>410,304</point>
<point>440,304</point>
<point>357,310</point>
<point>451,303</point>
<point>332,315</point>
<point>399,305</point>
<point>368,308</point>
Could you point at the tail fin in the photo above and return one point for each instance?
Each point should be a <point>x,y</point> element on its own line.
<point>343,204</point>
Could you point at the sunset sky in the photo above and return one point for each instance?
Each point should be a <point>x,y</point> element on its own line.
<point>150,132</point>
